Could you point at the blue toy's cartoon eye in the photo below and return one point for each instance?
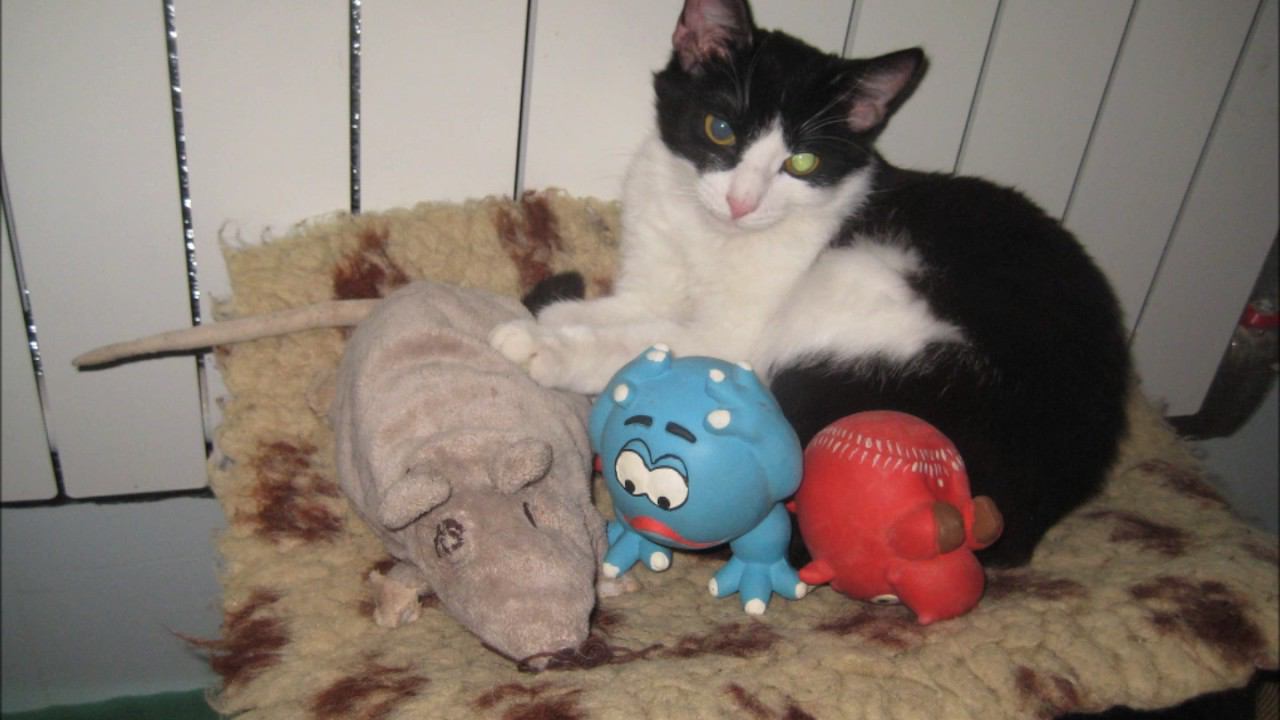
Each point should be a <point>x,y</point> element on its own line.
<point>665,487</point>
<point>668,489</point>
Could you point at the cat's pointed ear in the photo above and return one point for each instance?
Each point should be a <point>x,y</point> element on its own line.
<point>884,83</point>
<point>709,29</point>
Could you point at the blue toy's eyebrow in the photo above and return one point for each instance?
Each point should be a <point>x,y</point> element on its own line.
<point>644,420</point>
<point>681,432</point>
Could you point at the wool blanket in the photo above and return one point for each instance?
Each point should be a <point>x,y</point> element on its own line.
<point>1150,594</point>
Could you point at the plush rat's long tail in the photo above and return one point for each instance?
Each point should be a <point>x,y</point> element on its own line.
<point>335,313</point>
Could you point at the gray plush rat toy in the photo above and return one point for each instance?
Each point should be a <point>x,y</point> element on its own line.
<point>474,477</point>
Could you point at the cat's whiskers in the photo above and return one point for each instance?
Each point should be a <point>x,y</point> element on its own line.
<point>739,103</point>
<point>814,132</point>
<point>843,142</point>
<point>751,70</point>
<point>837,99</point>
<point>830,121</point>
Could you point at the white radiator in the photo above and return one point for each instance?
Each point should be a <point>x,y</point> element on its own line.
<point>1149,126</point>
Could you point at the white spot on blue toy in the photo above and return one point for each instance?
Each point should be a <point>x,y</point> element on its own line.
<point>696,453</point>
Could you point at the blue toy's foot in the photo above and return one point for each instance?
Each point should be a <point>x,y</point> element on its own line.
<point>756,582</point>
<point>626,548</point>
<point>759,568</point>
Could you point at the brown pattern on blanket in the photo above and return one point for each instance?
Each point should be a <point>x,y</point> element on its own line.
<point>1049,694</point>
<point>371,692</point>
<point>1031,583</point>
<point>1148,595</point>
<point>1185,480</point>
<point>293,499</point>
<point>1146,534</point>
<point>891,628</point>
<point>249,645</point>
<point>752,705</point>
<point>1207,611</point>
<point>739,639</point>
<point>539,701</point>
<point>368,271</point>
<point>530,235</point>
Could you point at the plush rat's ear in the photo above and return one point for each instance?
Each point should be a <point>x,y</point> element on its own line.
<point>882,84</point>
<point>520,463</point>
<point>414,495</point>
<point>711,28</point>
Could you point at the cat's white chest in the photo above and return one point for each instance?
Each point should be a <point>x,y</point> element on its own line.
<point>773,309</point>
<point>775,294</point>
<point>853,303</point>
<point>737,282</point>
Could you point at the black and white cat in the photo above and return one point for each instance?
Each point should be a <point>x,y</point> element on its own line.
<point>759,224</point>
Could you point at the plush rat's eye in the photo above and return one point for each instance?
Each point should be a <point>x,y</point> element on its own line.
<point>801,164</point>
<point>719,130</point>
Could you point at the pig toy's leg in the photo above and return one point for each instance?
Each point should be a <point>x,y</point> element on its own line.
<point>626,548</point>
<point>940,588</point>
<point>398,593</point>
<point>759,567</point>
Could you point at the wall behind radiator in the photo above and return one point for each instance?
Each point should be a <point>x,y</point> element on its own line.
<point>1149,127</point>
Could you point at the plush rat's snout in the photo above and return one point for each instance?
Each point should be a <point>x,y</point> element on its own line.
<point>532,615</point>
<point>525,589</point>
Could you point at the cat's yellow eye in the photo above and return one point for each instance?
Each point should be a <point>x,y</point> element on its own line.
<point>801,164</point>
<point>719,130</point>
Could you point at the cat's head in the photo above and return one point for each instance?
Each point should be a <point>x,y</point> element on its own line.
<point>771,124</point>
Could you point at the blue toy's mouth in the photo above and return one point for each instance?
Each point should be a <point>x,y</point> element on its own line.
<point>652,526</point>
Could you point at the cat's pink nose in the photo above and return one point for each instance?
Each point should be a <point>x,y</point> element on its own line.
<point>739,207</point>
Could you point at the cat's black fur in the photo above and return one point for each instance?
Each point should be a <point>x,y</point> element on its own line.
<point>1035,397</point>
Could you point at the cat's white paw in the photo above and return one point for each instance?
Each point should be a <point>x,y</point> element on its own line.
<point>516,340</point>
<point>546,353</point>
<point>550,360</point>
<point>565,312</point>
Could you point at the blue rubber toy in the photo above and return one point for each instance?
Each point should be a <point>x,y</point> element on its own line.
<point>696,453</point>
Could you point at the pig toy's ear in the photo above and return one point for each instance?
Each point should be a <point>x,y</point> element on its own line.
<point>520,463</point>
<point>417,493</point>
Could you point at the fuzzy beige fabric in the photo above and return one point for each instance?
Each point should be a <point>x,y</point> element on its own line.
<point>1149,595</point>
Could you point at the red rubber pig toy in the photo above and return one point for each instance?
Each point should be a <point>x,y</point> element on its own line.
<point>885,510</point>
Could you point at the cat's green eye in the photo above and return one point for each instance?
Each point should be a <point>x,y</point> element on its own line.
<point>719,130</point>
<point>801,164</point>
